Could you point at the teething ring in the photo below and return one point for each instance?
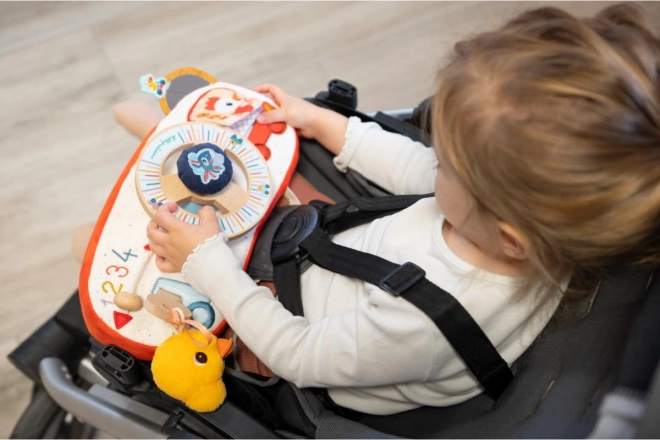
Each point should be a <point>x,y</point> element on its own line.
<point>241,204</point>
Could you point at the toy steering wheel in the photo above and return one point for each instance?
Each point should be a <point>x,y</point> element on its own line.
<point>240,205</point>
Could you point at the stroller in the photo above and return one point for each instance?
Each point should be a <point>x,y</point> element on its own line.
<point>594,370</point>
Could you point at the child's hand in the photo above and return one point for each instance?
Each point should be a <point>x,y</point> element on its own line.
<point>172,240</point>
<point>295,111</point>
<point>310,121</point>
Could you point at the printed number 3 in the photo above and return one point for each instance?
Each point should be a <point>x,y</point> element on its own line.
<point>112,287</point>
<point>117,269</point>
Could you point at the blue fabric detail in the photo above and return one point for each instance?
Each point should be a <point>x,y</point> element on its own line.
<point>199,317</point>
<point>204,169</point>
<point>192,207</point>
<point>198,304</point>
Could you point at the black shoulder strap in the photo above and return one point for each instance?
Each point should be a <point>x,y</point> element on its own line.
<point>408,281</point>
<point>332,218</point>
<point>361,210</point>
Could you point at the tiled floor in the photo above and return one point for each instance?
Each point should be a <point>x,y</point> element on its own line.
<point>63,65</point>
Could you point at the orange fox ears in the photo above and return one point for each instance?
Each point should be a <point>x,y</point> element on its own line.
<point>224,347</point>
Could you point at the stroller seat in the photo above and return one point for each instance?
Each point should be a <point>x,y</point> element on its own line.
<point>607,341</point>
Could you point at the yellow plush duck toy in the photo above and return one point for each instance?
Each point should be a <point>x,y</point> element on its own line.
<point>188,366</point>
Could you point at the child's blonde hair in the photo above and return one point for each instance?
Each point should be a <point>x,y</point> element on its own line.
<point>553,125</point>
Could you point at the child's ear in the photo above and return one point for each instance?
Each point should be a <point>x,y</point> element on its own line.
<point>514,244</point>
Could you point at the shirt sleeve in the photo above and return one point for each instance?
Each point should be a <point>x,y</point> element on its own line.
<point>344,350</point>
<point>392,161</point>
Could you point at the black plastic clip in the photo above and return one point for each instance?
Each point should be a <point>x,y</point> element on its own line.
<point>402,278</point>
<point>340,92</point>
<point>117,366</point>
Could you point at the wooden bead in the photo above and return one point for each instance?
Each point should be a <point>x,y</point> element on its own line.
<point>128,301</point>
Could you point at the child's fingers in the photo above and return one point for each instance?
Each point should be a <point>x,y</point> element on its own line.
<point>276,92</point>
<point>277,115</point>
<point>157,249</point>
<point>207,215</point>
<point>165,266</point>
<point>266,88</point>
<point>262,88</point>
<point>164,217</point>
<point>155,233</point>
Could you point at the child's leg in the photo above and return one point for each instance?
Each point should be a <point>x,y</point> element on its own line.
<point>136,117</point>
<point>80,240</point>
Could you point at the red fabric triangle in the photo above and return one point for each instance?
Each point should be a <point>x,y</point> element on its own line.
<point>121,319</point>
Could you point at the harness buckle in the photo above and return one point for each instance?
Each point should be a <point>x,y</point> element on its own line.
<point>402,278</point>
<point>293,229</point>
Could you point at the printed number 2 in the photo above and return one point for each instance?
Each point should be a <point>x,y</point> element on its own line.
<point>126,256</point>
<point>112,287</point>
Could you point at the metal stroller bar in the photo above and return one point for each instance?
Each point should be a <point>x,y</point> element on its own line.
<point>106,416</point>
<point>396,113</point>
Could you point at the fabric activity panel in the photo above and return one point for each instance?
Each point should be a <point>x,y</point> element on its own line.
<point>241,208</point>
<point>209,150</point>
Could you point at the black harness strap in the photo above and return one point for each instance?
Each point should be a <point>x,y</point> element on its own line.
<point>286,277</point>
<point>406,280</point>
<point>361,210</point>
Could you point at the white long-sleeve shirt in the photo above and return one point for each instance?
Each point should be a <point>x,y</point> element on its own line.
<point>376,352</point>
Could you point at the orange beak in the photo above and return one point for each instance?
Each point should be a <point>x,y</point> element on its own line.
<point>224,347</point>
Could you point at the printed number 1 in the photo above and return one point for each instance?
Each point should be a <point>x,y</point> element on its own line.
<point>126,256</point>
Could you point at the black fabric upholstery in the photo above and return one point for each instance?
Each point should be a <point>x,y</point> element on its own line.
<point>261,266</point>
<point>315,164</point>
<point>558,382</point>
<point>642,355</point>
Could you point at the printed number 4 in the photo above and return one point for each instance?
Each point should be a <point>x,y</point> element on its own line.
<point>126,256</point>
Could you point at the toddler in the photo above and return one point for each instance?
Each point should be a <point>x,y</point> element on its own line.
<point>546,137</point>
